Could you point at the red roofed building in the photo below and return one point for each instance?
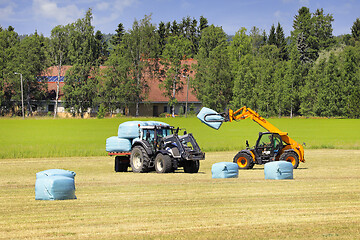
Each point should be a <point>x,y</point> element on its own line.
<point>155,104</point>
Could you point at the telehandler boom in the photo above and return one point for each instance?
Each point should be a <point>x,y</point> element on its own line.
<point>273,145</point>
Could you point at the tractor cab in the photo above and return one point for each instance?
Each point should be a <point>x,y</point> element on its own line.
<point>268,146</point>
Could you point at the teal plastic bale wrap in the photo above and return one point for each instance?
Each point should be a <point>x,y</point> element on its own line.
<point>204,111</point>
<point>156,123</point>
<point>116,144</point>
<point>225,170</point>
<point>130,129</point>
<point>55,184</point>
<point>278,170</point>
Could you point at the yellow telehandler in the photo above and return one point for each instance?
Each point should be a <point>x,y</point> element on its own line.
<point>273,145</point>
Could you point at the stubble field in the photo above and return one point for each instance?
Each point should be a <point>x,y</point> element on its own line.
<point>321,202</point>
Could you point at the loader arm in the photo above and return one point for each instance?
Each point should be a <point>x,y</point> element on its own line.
<point>245,112</point>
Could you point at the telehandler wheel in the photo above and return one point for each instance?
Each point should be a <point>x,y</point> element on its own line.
<point>191,166</point>
<point>163,163</point>
<point>243,160</point>
<point>121,164</point>
<point>139,160</point>
<point>290,157</point>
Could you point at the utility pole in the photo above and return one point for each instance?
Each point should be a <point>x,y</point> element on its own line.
<point>22,95</point>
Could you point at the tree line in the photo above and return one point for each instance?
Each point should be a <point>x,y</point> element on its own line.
<point>309,73</point>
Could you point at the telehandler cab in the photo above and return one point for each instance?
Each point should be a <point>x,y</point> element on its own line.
<point>273,145</point>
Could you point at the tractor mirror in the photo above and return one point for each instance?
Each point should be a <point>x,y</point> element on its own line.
<point>247,143</point>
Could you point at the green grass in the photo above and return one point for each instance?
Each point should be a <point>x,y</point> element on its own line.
<point>322,202</point>
<point>86,137</point>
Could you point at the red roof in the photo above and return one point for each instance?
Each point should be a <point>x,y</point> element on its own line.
<point>155,93</point>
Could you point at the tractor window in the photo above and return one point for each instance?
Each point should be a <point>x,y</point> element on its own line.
<point>151,133</point>
<point>265,140</point>
<point>163,132</point>
<point>277,142</point>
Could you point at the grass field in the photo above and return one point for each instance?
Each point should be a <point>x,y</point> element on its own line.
<point>322,202</point>
<point>43,138</point>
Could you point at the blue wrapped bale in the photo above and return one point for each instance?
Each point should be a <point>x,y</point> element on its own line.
<point>116,144</point>
<point>278,170</point>
<point>225,170</point>
<point>55,184</point>
<point>156,123</point>
<point>204,111</point>
<point>130,129</point>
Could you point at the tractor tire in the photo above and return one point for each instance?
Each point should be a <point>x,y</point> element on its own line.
<point>163,163</point>
<point>290,157</point>
<point>243,160</point>
<point>139,160</point>
<point>121,164</point>
<point>191,166</point>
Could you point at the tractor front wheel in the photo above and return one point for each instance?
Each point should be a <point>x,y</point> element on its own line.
<point>163,163</point>
<point>243,160</point>
<point>290,157</point>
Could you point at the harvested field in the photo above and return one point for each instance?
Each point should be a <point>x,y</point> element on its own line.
<point>322,202</point>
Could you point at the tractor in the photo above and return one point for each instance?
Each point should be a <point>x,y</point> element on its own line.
<point>160,148</point>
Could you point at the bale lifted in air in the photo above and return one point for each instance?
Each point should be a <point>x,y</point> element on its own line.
<point>273,145</point>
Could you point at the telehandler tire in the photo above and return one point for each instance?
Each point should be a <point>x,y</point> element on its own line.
<point>139,160</point>
<point>191,166</point>
<point>244,160</point>
<point>163,163</point>
<point>290,157</point>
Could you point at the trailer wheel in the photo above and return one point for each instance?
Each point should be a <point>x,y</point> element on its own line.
<point>243,160</point>
<point>139,160</point>
<point>290,157</point>
<point>121,163</point>
<point>163,163</point>
<point>191,166</point>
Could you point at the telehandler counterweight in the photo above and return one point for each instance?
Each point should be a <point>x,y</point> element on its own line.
<point>273,145</point>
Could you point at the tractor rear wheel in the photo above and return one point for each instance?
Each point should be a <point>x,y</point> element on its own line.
<point>139,160</point>
<point>243,160</point>
<point>191,166</point>
<point>290,157</point>
<point>163,163</point>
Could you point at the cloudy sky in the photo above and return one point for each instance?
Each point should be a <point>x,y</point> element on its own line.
<point>26,16</point>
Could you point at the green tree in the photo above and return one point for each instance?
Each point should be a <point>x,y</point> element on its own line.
<point>213,82</point>
<point>142,44</point>
<point>257,40</point>
<point>162,36</point>
<point>322,30</point>
<point>117,87</point>
<point>80,83</point>
<point>355,30</point>
<point>59,53</point>
<point>239,47</point>
<point>31,61</point>
<point>101,52</point>
<point>281,42</point>
<point>118,36</point>
<point>272,36</point>
<point>203,23</point>
<point>351,80</point>
<point>329,90</point>
<point>176,50</point>
<point>9,83</point>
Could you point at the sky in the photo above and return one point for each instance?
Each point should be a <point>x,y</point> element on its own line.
<point>26,16</point>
